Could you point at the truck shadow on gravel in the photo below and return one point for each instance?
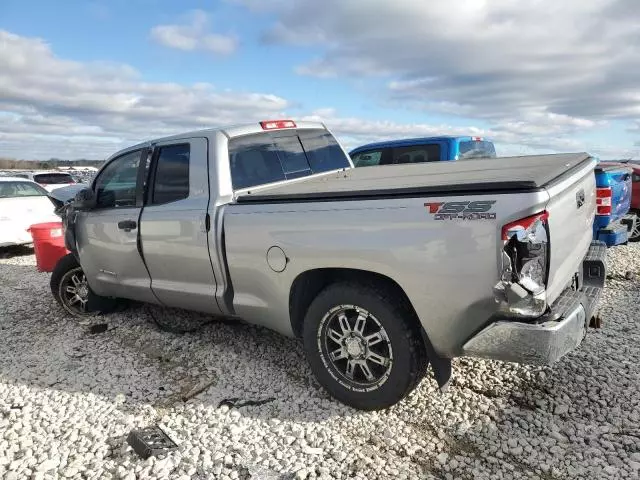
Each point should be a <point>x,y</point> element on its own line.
<point>15,251</point>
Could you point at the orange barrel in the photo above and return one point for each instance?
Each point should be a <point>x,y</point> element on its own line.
<point>48,243</point>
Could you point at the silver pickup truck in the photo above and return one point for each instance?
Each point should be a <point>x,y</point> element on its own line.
<point>381,271</point>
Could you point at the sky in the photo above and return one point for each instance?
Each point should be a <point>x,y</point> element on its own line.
<point>83,79</point>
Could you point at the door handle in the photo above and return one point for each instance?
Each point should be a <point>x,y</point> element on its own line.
<point>127,225</point>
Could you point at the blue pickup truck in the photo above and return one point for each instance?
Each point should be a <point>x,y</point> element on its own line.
<point>613,182</point>
<point>425,149</point>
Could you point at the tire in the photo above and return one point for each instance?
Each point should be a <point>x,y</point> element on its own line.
<point>83,302</point>
<point>387,342</point>
<point>634,236</point>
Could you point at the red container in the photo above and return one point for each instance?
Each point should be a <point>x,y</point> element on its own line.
<point>48,243</point>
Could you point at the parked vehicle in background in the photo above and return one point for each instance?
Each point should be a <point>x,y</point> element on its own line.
<point>419,150</point>
<point>612,223</point>
<point>22,204</point>
<point>380,271</point>
<point>49,180</point>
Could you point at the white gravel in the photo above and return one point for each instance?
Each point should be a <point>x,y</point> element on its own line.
<point>68,399</point>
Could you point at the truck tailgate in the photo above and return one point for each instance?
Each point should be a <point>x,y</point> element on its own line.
<point>571,207</point>
<point>618,178</point>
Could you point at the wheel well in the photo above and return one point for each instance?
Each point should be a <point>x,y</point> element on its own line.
<point>309,284</point>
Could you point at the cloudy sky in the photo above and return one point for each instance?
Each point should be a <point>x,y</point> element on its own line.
<point>81,79</point>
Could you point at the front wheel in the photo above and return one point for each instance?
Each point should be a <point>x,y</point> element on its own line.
<point>634,235</point>
<point>71,290</point>
<point>363,346</point>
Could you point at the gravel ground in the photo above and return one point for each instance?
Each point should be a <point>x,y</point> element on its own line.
<point>68,399</point>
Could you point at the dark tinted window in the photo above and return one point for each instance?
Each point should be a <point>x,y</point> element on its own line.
<point>116,185</point>
<point>271,157</point>
<point>254,161</point>
<point>367,159</point>
<point>292,157</point>
<point>323,151</point>
<point>476,149</point>
<point>53,178</point>
<point>21,189</point>
<point>416,154</point>
<point>171,181</point>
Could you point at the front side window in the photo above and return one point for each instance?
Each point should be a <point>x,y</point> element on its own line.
<point>367,159</point>
<point>171,181</point>
<point>116,185</point>
<point>21,189</point>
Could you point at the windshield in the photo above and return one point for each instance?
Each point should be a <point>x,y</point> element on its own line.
<point>21,189</point>
<point>271,157</point>
<point>476,149</point>
<point>53,178</point>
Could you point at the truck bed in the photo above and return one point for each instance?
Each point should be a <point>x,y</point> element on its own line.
<point>507,174</point>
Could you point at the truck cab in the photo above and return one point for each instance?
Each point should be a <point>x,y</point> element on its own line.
<point>424,149</point>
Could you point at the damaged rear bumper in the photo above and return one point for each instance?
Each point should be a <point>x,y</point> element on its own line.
<point>553,335</point>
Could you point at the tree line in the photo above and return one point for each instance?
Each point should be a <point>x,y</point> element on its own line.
<point>12,164</point>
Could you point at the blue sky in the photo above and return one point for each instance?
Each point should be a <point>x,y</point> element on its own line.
<point>82,79</point>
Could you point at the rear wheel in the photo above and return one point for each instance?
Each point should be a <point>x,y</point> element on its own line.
<point>634,235</point>
<point>71,290</point>
<point>363,346</point>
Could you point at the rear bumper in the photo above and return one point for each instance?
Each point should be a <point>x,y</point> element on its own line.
<point>613,234</point>
<point>553,335</point>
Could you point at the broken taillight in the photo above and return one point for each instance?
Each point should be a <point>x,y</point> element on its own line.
<point>525,255</point>
<point>603,201</point>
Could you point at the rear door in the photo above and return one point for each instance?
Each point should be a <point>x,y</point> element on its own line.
<point>108,234</point>
<point>174,226</point>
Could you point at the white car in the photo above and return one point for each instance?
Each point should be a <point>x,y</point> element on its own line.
<point>49,180</point>
<point>22,204</point>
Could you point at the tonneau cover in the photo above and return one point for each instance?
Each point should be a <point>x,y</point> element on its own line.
<point>505,174</point>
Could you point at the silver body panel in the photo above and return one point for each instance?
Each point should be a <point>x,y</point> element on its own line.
<point>446,268</point>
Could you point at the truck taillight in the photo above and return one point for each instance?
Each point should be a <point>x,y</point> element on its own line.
<point>603,201</point>
<point>276,124</point>
<point>525,258</point>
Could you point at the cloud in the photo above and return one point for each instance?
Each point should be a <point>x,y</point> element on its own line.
<point>46,100</point>
<point>54,107</point>
<point>539,135</point>
<point>194,35</point>
<point>495,59</point>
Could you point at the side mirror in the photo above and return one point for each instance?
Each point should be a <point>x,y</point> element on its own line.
<point>85,199</point>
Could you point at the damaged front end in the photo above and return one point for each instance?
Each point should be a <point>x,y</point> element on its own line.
<point>521,291</point>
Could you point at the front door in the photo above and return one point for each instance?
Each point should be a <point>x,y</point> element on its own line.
<point>107,235</point>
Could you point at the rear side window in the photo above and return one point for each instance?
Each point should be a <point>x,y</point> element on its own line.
<point>53,178</point>
<point>476,149</point>
<point>416,154</point>
<point>271,157</point>
<point>171,180</point>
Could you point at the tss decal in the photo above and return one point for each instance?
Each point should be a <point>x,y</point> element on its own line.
<point>478,210</point>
